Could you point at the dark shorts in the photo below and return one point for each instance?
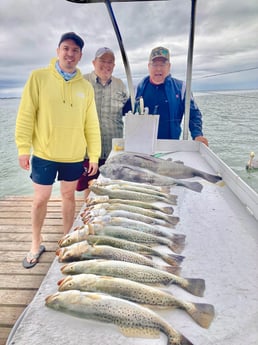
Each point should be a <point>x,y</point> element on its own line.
<point>83,182</point>
<point>45,172</point>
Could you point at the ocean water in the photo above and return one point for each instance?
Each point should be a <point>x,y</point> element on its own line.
<point>230,122</point>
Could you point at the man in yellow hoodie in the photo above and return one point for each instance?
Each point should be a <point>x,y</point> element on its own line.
<point>57,121</point>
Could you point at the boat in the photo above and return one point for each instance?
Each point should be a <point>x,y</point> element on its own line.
<point>220,225</point>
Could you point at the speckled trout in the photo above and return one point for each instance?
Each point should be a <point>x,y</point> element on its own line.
<point>132,224</point>
<point>146,205</point>
<point>136,187</point>
<point>132,319</point>
<point>84,251</point>
<point>91,214</point>
<point>161,166</point>
<point>96,240</point>
<point>137,174</point>
<point>134,209</point>
<point>202,313</point>
<point>176,245</point>
<point>130,195</point>
<point>139,273</point>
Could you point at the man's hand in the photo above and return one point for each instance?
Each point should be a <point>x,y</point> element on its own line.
<point>24,162</point>
<point>202,140</point>
<point>93,168</point>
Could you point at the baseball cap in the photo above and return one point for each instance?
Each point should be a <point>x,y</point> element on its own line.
<point>72,36</point>
<point>159,52</point>
<point>102,51</point>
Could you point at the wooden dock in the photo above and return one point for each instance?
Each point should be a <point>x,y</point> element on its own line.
<point>18,285</point>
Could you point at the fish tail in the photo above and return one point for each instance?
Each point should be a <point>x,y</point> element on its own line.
<point>176,247</point>
<point>195,286</point>
<point>195,186</point>
<point>172,198</point>
<point>202,313</point>
<point>173,269</point>
<point>167,209</point>
<point>209,177</point>
<point>172,220</point>
<point>182,340</point>
<point>165,189</point>
<point>178,238</point>
<point>172,259</point>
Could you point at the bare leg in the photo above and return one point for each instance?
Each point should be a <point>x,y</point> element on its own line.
<point>86,193</point>
<point>68,204</point>
<point>38,213</point>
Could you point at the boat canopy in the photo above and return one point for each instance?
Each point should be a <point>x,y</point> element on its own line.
<point>126,62</point>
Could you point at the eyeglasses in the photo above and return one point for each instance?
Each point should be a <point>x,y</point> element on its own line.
<point>107,62</point>
<point>159,65</point>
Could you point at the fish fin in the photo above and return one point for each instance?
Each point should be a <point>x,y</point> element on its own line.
<point>195,286</point>
<point>172,259</point>
<point>165,189</point>
<point>173,269</point>
<point>140,332</point>
<point>202,313</point>
<point>173,220</point>
<point>167,209</point>
<point>194,186</point>
<point>177,247</point>
<point>209,177</point>
<point>178,238</point>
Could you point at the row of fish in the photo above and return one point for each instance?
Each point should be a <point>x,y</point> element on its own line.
<point>111,271</point>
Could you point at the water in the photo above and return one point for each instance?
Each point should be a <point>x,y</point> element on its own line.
<point>230,122</point>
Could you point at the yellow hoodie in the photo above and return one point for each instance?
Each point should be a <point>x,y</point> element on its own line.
<point>57,119</point>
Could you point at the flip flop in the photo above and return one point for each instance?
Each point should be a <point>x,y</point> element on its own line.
<point>31,260</point>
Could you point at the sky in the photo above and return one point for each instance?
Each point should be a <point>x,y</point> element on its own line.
<point>225,45</point>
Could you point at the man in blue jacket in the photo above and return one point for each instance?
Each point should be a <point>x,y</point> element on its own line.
<point>165,96</point>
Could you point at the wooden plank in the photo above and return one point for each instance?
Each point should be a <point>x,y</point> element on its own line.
<point>23,237</point>
<point>18,286</point>
<point>9,256</point>
<point>27,229</point>
<point>16,297</point>
<point>21,282</point>
<point>4,334</point>
<point>8,315</point>
<point>12,268</point>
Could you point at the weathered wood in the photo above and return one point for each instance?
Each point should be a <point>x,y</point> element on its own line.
<point>18,286</point>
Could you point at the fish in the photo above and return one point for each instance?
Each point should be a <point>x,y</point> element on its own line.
<point>134,209</point>
<point>88,216</point>
<point>201,313</point>
<point>137,174</point>
<point>123,183</point>
<point>84,251</point>
<point>133,224</point>
<point>132,319</point>
<point>136,272</point>
<point>130,195</point>
<point>176,245</point>
<point>161,166</point>
<point>171,259</point>
<point>136,187</point>
<point>90,201</point>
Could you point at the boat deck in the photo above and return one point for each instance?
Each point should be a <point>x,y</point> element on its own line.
<point>18,286</point>
<point>220,225</point>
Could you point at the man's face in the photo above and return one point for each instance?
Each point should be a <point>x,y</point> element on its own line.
<point>104,66</point>
<point>69,54</point>
<point>159,69</point>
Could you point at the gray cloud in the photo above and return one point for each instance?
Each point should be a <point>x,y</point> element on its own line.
<point>225,38</point>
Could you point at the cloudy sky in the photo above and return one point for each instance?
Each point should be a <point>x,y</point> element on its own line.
<point>225,47</point>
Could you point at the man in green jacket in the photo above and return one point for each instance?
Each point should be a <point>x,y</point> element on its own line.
<point>57,122</point>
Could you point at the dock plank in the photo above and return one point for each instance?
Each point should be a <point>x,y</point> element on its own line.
<point>18,286</point>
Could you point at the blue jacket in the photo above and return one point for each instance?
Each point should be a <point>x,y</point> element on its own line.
<point>175,93</point>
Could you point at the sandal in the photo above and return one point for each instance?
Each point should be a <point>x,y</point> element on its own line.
<point>31,260</point>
